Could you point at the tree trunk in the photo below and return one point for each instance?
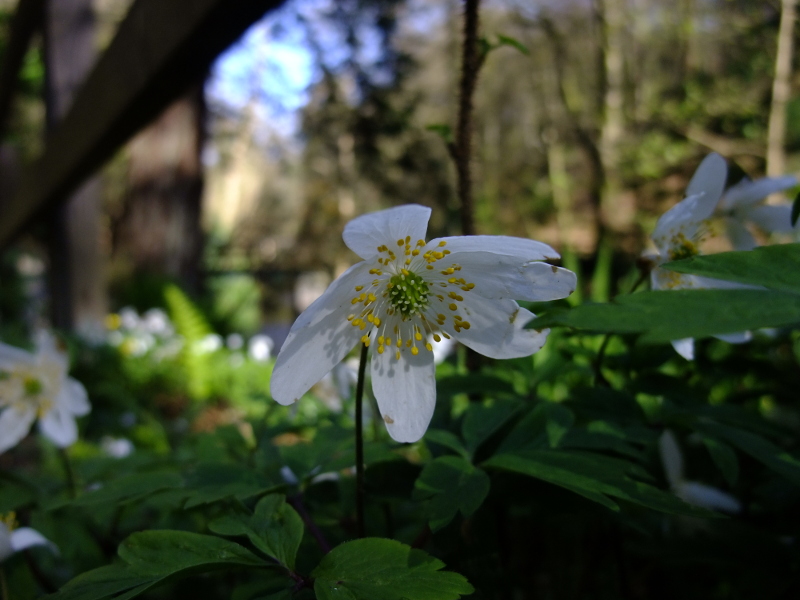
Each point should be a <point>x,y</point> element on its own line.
<point>781,88</point>
<point>77,262</point>
<point>159,231</point>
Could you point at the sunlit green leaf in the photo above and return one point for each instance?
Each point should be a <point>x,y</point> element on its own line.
<point>774,267</point>
<point>669,315</point>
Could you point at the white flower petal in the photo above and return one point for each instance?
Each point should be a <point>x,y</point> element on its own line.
<point>25,537</point>
<point>497,328</point>
<point>709,180</point>
<point>364,234</point>
<point>73,398</point>
<point>49,352</point>
<point>736,338</point>
<point>521,249</point>
<point>748,192</point>
<point>739,235</point>
<point>319,338</point>
<point>773,219</point>
<point>11,357</point>
<point>15,425</point>
<point>706,496</point>
<point>59,426</point>
<point>671,457</point>
<point>683,218</point>
<point>684,347</point>
<point>498,276</point>
<point>405,391</point>
<point>336,298</point>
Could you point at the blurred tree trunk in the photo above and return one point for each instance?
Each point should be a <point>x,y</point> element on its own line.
<point>77,262</point>
<point>781,88</point>
<point>615,211</point>
<point>159,232</point>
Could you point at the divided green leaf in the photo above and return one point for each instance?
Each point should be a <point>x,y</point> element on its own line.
<point>450,484</point>
<point>381,569</point>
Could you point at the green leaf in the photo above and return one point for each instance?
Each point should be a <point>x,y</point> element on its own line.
<point>758,447</point>
<point>724,457</point>
<point>774,267</point>
<point>151,557</point>
<point>275,528</point>
<point>483,419</point>
<point>131,488</point>
<point>670,315</point>
<point>559,421</point>
<point>474,383</point>
<point>505,40</point>
<point>164,552</point>
<point>450,484</point>
<point>380,569</point>
<point>212,482</point>
<point>444,131</point>
<point>447,439</point>
<point>795,209</point>
<point>594,476</point>
<point>102,583</point>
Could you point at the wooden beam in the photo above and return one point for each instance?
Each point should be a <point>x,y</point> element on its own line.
<point>27,19</point>
<point>161,48</point>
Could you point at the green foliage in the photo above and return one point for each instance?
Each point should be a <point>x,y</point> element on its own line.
<point>450,485</point>
<point>275,528</point>
<point>380,569</point>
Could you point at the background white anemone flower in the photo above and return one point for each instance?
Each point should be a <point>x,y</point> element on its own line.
<point>691,492</point>
<point>680,231</point>
<point>36,386</point>
<point>741,205</point>
<point>405,289</point>
<point>15,539</point>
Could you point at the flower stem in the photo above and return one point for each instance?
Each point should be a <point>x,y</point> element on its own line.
<point>3,585</point>
<point>360,492</point>
<point>70,472</point>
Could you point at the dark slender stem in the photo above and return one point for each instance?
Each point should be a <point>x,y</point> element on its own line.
<point>70,472</point>
<point>3,585</point>
<point>471,62</point>
<point>360,492</point>
<point>297,502</point>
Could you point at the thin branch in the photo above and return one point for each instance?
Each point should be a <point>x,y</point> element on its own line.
<point>360,491</point>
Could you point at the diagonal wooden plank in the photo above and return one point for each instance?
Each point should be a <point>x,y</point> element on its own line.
<point>161,48</point>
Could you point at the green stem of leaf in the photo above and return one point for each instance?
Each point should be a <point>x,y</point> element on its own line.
<point>360,492</point>
<point>70,473</point>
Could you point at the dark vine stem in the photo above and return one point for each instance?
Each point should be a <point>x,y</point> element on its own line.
<point>72,484</point>
<point>360,491</point>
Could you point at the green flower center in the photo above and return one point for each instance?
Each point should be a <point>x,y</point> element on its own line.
<point>408,293</point>
<point>33,387</point>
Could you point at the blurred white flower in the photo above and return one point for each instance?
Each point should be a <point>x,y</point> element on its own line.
<point>116,447</point>
<point>678,234</point>
<point>691,492</point>
<point>36,386</point>
<point>741,205</point>
<point>129,318</point>
<point>235,341</point>
<point>156,322</point>
<point>210,343</point>
<point>260,347</point>
<point>13,539</point>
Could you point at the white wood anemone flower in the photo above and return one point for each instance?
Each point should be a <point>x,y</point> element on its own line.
<point>691,492</point>
<point>406,289</point>
<point>13,539</point>
<point>679,233</point>
<point>741,205</point>
<point>36,386</point>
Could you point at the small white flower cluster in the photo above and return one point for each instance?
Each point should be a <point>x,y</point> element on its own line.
<point>137,335</point>
<point>680,231</point>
